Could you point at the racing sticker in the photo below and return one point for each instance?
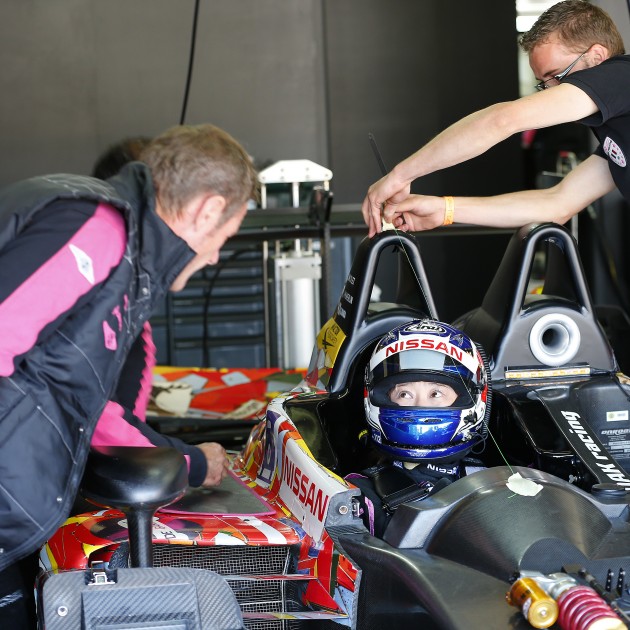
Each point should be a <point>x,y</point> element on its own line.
<point>426,342</point>
<point>161,531</point>
<point>617,441</point>
<point>268,468</point>
<point>347,296</point>
<point>329,342</point>
<point>616,416</point>
<point>600,460</point>
<point>306,487</point>
<point>616,435</point>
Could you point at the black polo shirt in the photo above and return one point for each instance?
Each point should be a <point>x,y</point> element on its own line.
<point>608,84</point>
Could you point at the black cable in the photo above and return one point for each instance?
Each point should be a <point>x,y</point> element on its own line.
<point>191,59</point>
<point>377,153</point>
<point>206,303</point>
<point>486,365</point>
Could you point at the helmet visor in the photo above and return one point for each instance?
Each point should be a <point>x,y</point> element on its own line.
<point>421,365</point>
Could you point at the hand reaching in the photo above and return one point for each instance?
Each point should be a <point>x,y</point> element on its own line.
<point>218,463</point>
<point>386,192</point>
<point>415,213</point>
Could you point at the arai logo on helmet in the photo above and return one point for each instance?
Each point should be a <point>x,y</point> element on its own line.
<point>426,327</point>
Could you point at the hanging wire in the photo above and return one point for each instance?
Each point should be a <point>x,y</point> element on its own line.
<point>191,59</point>
<point>485,361</point>
<point>486,418</point>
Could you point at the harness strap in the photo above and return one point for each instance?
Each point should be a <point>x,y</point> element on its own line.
<point>394,486</point>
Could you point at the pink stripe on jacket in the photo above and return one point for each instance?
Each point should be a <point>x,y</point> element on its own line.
<point>54,288</point>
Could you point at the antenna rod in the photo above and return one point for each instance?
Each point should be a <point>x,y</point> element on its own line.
<point>377,153</point>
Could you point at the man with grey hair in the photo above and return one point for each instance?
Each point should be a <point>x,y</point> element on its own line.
<point>84,263</point>
<point>574,48</point>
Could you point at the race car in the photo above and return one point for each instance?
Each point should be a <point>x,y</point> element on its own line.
<point>284,529</point>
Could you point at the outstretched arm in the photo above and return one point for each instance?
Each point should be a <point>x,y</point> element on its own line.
<point>472,136</point>
<point>589,181</point>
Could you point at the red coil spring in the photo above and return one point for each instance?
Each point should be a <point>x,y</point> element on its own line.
<point>580,607</point>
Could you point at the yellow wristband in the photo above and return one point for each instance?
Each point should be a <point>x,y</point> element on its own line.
<point>449,210</point>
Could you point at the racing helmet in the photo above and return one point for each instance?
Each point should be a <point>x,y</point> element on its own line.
<point>426,350</point>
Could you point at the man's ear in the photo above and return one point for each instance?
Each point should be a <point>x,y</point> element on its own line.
<point>196,219</point>
<point>598,53</point>
<point>207,212</point>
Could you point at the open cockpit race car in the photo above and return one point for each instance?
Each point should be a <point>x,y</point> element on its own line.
<point>538,534</point>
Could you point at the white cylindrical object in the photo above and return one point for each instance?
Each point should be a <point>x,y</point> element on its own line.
<point>554,339</point>
<point>297,276</point>
<point>300,321</point>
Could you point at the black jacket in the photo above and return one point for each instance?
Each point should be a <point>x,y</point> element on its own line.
<point>49,406</point>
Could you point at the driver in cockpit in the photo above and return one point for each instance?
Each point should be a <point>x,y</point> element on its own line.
<point>426,401</point>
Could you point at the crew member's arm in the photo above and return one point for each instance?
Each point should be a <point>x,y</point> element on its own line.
<point>587,182</point>
<point>473,135</point>
<point>117,426</point>
<point>123,421</point>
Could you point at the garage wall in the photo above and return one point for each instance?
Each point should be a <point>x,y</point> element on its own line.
<point>405,70</point>
<point>620,13</point>
<point>80,74</point>
<point>290,79</point>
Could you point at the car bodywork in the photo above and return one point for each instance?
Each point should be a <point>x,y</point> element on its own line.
<point>283,529</point>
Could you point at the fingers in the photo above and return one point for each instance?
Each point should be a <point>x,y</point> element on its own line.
<point>401,224</point>
<point>373,205</point>
<point>416,213</point>
<point>215,474</point>
<point>226,468</point>
<point>386,191</point>
<point>217,463</point>
<point>395,213</point>
<point>371,215</point>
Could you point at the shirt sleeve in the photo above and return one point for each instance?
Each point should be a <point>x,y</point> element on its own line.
<point>601,83</point>
<point>123,422</point>
<point>65,252</point>
<point>118,426</point>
